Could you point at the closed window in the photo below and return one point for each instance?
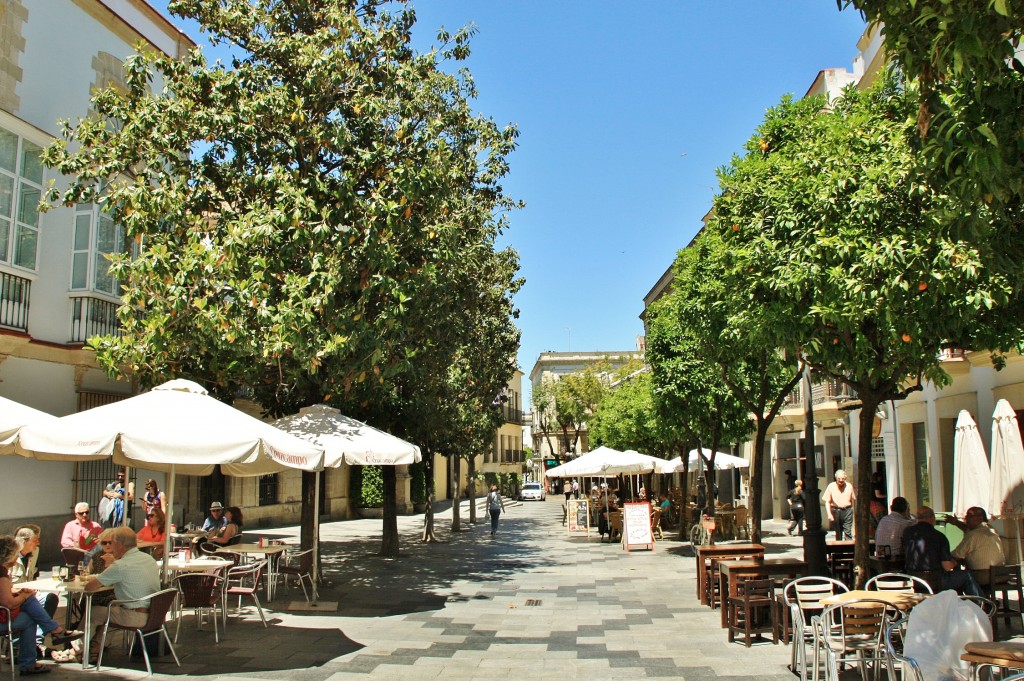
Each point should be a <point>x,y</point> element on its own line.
<point>21,188</point>
<point>268,489</point>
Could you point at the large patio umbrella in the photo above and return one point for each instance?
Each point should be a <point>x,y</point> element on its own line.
<point>344,440</point>
<point>176,428</point>
<point>606,461</point>
<point>971,480</point>
<point>13,417</point>
<point>1006,498</point>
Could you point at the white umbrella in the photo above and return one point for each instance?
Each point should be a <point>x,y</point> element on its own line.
<point>1006,498</point>
<point>723,461</point>
<point>605,461</point>
<point>13,417</point>
<point>344,440</point>
<point>175,427</point>
<point>971,480</point>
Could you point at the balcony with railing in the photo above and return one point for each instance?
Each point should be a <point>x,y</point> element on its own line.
<point>513,456</point>
<point>15,293</point>
<point>512,415</point>
<point>831,390</point>
<point>92,316</point>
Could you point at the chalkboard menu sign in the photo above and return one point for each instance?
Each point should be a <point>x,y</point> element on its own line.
<point>636,526</point>
<point>579,516</point>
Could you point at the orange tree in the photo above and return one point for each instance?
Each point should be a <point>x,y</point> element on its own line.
<point>846,254</point>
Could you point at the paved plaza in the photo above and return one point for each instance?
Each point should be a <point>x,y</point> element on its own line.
<point>530,603</point>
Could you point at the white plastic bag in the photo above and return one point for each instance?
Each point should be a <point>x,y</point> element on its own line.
<point>939,628</point>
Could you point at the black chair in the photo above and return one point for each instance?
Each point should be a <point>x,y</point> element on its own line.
<point>1004,580</point>
<point>199,591</point>
<point>159,605</point>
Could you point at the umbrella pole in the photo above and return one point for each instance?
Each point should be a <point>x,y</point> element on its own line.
<point>316,537</point>
<point>125,522</point>
<point>167,527</point>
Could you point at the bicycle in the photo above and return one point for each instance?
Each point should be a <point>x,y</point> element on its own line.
<point>701,533</point>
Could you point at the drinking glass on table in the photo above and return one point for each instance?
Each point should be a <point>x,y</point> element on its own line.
<point>55,573</point>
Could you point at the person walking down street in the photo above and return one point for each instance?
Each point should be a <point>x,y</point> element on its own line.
<point>839,498</point>
<point>495,506</point>
<point>796,501</point>
<point>567,490</point>
<point>575,489</point>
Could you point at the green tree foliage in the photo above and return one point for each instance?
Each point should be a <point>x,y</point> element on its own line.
<point>576,395</point>
<point>690,387</point>
<point>301,209</point>
<point>726,331</point>
<point>848,252</point>
<point>964,56</point>
<point>626,418</point>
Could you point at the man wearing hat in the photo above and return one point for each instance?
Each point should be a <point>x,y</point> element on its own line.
<point>216,519</point>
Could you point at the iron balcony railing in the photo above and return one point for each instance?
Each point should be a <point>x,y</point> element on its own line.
<point>831,390</point>
<point>15,293</point>
<point>513,456</point>
<point>91,316</point>
<point>512,415</point>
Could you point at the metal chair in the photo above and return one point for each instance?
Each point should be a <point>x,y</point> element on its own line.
<point>1004,580</point>
<point>802,598</point>
<point>7,638</point>
<point>199,591</point>
<point>895,634</point>
<point>244,580</point>
<point>300,566</point>
<point>987,605</point>
<point>899,583</point>
<point>853,632</point>
<point>159,605</point>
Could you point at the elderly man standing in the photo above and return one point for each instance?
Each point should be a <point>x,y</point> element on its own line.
<point>839,498</point>
<point>981,547</point>
<point>81,533</point>
<point>133,575</point>
<point>889,533</point>
<point>927,550</point>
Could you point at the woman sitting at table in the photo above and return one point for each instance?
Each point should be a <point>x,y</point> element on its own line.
<point>154,532</point>
<point>27,613</point>
<point>232,532</point>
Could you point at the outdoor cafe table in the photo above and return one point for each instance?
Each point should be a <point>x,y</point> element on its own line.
<point>706,553</point>
<point>900,600</point>
<point>1006,655</point>
<point>269,551</point>
<point>730,573</point>
<point>198,564</point>
<point>75,588</point>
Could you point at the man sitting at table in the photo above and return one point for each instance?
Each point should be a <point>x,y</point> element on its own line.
<point>927,550</point>
<point>133,575</point>
<point>81,533</point>
<point>889,533</point>
<point>981,547</point>
<point>216,519</point>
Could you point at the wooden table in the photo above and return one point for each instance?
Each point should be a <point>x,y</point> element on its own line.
<point>731,572</point>
<point>898,599</point>
<point>71,588</point>
<point>269,551</point>
<point>705,553</point>
<point>1004,654</point>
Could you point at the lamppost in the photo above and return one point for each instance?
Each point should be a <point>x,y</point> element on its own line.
<point>814,534</point>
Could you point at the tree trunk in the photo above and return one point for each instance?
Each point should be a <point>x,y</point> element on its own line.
<point>389,540</point>
<point>428,517</point>
<point>471,474</point>
<point>758,463</point>
<point>861,509</point>
<point>306,516</point>
<point>456,493</point>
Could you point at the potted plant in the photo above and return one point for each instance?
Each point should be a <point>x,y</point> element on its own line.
<point>368,491</point>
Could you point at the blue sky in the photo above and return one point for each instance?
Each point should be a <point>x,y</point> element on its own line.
<point>625,110</point>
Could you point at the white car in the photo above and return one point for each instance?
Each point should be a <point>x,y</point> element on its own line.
<point>532,490</point>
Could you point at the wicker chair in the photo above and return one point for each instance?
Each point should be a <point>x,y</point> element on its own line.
<point>159,605</point>
<point>199,591</point>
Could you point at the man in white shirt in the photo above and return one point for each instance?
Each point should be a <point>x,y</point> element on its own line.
<point>839,498</point>
<point>981,547</point>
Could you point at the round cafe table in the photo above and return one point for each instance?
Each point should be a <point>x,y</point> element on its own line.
<point>200,564</point>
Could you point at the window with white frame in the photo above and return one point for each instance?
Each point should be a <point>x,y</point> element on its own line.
<point>21,188</point>
<point>97,237</point>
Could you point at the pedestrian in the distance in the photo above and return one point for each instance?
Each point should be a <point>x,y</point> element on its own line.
<point>495,506</point>
<point>575,489</point>
<point>567,490</point>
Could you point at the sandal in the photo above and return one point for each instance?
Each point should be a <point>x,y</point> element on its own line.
<point>69,655</point>
<point>59,641</point>
<point>38,669</point>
